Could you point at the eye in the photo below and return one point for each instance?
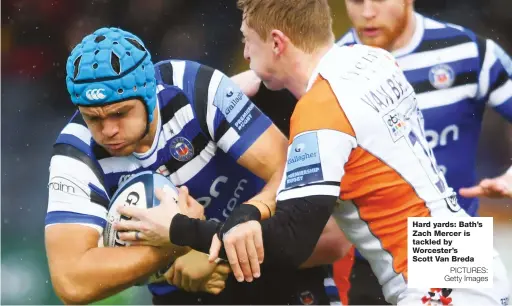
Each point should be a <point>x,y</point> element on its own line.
<point>119,114</point>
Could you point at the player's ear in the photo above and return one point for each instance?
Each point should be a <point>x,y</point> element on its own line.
<point>279,41</point>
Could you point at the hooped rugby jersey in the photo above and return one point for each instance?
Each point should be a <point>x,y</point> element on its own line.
<point>205,124</point>
<point>455,74</point>
<point>358,135</point>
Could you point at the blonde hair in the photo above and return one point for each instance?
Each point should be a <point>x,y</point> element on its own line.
<point>308,23</point>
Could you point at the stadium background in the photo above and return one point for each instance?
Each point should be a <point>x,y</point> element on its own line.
<point>36,38</point>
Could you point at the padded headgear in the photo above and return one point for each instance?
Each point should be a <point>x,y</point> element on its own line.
<point>108,66</point>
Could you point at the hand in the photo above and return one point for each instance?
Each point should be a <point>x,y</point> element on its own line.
<point>192,272</point>
<point>499,187</point>
<point>244,249</point>
<point>151,226</point>
<point>217,281</point>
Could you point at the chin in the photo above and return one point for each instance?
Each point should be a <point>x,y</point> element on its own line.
<point>273,85</point>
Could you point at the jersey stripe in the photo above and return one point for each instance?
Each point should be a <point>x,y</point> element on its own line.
<point>54,217</point>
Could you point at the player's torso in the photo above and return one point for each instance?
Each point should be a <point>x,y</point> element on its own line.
<point>187,156</point>
<point>391,174</point>
<point>182,151</point>
<point>442,66</point>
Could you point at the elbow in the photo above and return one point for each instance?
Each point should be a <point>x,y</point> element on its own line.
<point>70,292</point>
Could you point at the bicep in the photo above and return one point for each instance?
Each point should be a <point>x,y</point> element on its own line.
<point>76,194</point>
<point>66,243</point>
<point>266,154</point>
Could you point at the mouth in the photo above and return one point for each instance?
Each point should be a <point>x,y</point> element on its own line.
<point>371,31</point>
<point>115,146</point>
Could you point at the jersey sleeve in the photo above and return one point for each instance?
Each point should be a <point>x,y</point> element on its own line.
<point>495,79</point>
<point>234,122</point>
<point>322,140</point>
<point>76,192</point>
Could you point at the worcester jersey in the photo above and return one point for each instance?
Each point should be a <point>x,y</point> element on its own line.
<point>369,154</point>
<point>205,124</point>
<point>455,74</point>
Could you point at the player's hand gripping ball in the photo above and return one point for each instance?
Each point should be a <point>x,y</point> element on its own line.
<point>138,191</point>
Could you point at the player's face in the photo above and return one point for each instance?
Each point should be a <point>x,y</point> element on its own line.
<point>117,127</point>
<point>379,22</point>
<point>261,57</point>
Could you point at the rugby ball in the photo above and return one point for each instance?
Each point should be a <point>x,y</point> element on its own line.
<point>138,191</point>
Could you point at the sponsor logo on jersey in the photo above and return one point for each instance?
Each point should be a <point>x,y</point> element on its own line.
<point>65,185</point>
<point>304,163</point>
<point>396,126</point>
<point>233,102</point>
<point>181,149</point>
<point>441,76</point>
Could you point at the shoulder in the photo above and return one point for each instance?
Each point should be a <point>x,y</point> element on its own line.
<point>347,39</point>
<point>319,109</point>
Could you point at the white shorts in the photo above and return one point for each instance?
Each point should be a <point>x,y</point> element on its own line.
<point>498,295</point>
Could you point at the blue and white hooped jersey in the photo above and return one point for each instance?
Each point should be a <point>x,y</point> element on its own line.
<point>205,124</point>
<point>455,74</point>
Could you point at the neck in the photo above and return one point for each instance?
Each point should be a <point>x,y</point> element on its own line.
<point>406,36</point>
<point>147,141</point>
<point>301,69</point>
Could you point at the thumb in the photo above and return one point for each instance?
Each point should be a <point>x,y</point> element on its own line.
<point>214,248</point>
<point>471,192</point>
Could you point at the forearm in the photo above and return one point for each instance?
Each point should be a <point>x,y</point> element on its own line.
<point>103,272</point>
<point>331,246</point>
<point>289,237</point>
<point>265,201</point>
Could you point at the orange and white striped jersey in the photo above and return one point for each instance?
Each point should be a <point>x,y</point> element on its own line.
<point>357,134</point>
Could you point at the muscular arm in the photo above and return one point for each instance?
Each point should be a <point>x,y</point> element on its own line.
<point>331,246</point>
<point>83,273</point>
<point>266,158</point>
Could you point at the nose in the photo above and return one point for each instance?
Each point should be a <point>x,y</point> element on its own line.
<point>110,128</point>
<point>368,9</point>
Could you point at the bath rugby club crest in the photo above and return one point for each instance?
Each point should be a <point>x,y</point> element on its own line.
<point>181,149</point>
<point>441,76</point>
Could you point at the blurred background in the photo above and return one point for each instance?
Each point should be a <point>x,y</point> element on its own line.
<point>36,38</point>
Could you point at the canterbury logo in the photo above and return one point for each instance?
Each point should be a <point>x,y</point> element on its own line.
<point>95,94</point>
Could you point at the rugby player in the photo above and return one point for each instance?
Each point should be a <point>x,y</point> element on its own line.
<point>186,121</point>
<point>358,150</point>
<point>456,75</point>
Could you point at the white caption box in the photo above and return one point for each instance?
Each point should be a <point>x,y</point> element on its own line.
<point>450,252</point>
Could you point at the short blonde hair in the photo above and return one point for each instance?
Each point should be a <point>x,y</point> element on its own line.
<point>308,23</point>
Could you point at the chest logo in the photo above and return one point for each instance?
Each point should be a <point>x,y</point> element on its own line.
<point>441,76</point>
<point>181,149</point>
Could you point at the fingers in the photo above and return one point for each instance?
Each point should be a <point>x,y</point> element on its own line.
<point>222,269</point>
<point>253,257</point>
<point>169,275</point>
<point>128,225</point>
<point>176,280</point>
<point>132,211</point>
<point>231,252</point>
<point>183,199</point>
<point>134,236</point>
<point>258,243</point>
<point>243,258</point>
<point>472,192</point>
<point>215,286</point>
<point>214,249</point>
